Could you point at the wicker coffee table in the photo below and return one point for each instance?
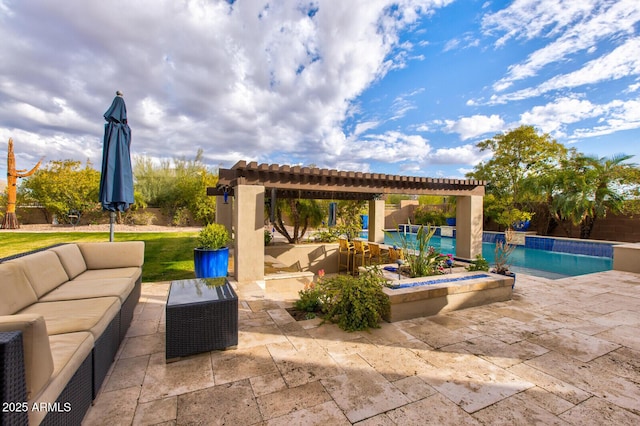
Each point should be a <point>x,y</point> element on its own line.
<point>202,315</point>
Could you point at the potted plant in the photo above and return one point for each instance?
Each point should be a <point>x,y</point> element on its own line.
<point>450,212</point>
<point>502,252</point>
<point>211,257</point>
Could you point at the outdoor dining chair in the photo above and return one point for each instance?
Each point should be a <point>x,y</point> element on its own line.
<point>345,248</point>
<point>377,254</point>
<point>361,251</point>
<point>395,254</point>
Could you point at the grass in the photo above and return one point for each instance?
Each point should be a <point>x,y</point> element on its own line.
<point>167,255</point>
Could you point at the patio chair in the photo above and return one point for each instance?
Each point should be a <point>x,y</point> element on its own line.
<point>395,254</point>
<point>345,248</point>
<point>377,255</point>
<point>362,251</point>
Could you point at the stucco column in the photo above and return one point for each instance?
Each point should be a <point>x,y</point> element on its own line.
<point>248,221</point>
<point>468,226</point>
<point>224,212</point>
<point>376,221</point>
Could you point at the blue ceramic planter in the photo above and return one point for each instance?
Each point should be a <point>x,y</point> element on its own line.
<point>451,221</point>
<point>211,263</point>
<point>522,225</point>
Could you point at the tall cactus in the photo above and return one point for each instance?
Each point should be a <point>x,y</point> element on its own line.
<point>10,220</point>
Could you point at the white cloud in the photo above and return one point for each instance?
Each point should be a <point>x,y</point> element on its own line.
<point>363,127</point>
<point>617,116</point>
<point>390,147</point>
<point>553,117</point>
<point>476,125</point>
<point>578,25</point>
<point>557,117</point>
<point>234,79</point>
<point>621,62</point>
<point>465,154</point>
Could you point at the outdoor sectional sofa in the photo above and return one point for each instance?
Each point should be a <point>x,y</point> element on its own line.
<point>63,314</point>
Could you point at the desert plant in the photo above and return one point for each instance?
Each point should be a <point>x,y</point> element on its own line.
<point>267,237</point>
<point>355,303</point>
<point>422,259</point>
<point>502,252</point>
<point>310,299</point>
<point>214,236</point>
<point>479,264</point>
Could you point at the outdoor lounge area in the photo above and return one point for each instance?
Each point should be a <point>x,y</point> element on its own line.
<point>560,352</point>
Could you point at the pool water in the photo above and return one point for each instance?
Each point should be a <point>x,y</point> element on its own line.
<point>543,263</point>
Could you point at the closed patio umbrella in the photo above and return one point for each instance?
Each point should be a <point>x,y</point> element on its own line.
<point>116,179</point>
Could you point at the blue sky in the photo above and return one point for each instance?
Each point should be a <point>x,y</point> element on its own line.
<point>399,87</point>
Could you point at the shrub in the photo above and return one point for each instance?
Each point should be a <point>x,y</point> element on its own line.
<point>355,303</point>
<point>326,235</point>
<point>214,236</point>
<point>424,217</point>
<point>310,299</point>
<point>479,264</point>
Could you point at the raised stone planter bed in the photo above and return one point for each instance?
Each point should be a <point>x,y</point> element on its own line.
<point>426,296</point>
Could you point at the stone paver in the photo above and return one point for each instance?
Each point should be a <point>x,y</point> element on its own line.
<point>561,352</point>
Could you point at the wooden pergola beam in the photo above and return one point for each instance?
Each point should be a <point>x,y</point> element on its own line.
<point>317,183</point>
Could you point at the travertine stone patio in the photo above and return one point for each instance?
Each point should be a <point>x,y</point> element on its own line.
<point>561,352</point>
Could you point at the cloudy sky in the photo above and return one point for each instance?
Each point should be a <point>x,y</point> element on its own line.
<point>400,87</point>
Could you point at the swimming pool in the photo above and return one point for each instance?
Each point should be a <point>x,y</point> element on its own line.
<point>542,263</point>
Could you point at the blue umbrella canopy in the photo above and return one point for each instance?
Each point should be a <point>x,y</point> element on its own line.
<point>116,179</point>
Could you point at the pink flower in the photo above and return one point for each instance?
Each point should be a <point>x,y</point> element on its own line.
<point>321,273</point>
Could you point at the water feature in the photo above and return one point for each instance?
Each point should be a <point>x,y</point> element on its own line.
<point>539,262</point>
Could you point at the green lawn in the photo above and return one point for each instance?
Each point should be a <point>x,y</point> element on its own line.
<point>167,256</point>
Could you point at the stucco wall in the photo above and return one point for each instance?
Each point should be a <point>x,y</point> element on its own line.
<point>307,257</point>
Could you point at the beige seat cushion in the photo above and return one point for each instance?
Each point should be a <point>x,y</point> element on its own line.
<point>132,273</point>
<point>71,259</point>
<point>15,289</point>
<point>113,255</point>
<point>69,316</point>
<point>38,362</point>
<point>69,351</point>
<point>86,289</point>
<point>44,271</point>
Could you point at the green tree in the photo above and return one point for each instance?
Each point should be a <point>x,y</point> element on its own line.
<point>518,155</point>
<point>177,187</point>
<point>348,216</point>
<point>63,186</point>
<point>301,213</point>
<point>593,187</point>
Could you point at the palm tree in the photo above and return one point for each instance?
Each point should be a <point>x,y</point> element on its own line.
<point>592,187</point>
<point>301,213</point>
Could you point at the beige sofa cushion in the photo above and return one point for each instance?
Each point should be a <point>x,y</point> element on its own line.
<point>131,273</point>
<point>69,351</point>
<point>113,255</point>
<point>15,289</point>
<point>86,289</point>
<point>71,259</point>
<point>38,361</point>
<point>44,271</point>
<point>69,316</point>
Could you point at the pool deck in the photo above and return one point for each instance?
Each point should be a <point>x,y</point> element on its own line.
<point>560,352</point>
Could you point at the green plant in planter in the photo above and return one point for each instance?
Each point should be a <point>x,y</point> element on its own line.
<point>421,259</point>
<point>355,303</point>
<point>214,236</point>
<point>479,264</point>
<point>267,237</point>
<point>502,252</point>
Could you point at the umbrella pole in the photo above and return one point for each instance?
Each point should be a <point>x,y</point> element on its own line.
<point>112,219</point>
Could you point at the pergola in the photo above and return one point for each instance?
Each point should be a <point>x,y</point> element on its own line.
<point>242,189</point>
